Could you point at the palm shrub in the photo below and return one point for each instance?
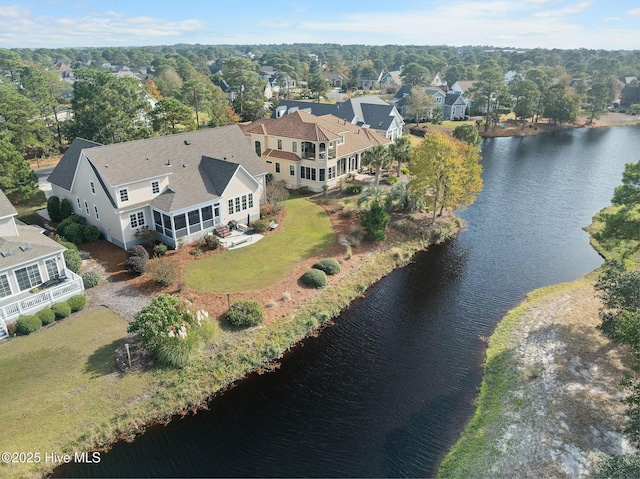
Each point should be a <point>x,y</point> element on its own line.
<point>61,310</point>
<point>90,279</point>
<point>28,324</point>
<point>329,265</point>
<point>53,208</point>
<point>77,303</point>
<point>315,278</point>
<point>47,316</point>
<point>245,313</point>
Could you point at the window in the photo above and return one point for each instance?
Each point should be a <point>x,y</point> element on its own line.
<point>331,172</point>
<point>294,146</point>
<point>244,202</point>
<point>277,167</point>
<point>321,174</point>
<point>279,144</point>
<point>180,222</point>
<point>136,219</point>
<point>230,207</point>
<point>5,289</point>
<point>86,208</point>
<point>340,140</point>
<point>155,187</point>
<point>194,220</point>
<point>79,204</point>
<point>238,204</point>
<point>207,213</point>
<point>258,147</point>
<point>124,195</point>
<point>250,200</point>
<point>28,277</point>
<point>292,170</point>
<point>52,268</point>
<point>95,209</point>
<point>93,187</point>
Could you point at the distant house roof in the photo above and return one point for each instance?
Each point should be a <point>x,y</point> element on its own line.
<point>63,173</point>
<point>454,98</point>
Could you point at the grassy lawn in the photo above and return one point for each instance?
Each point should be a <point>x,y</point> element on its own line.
<point>305,232</point>
<point>27,209</point>
<point>61,381</point>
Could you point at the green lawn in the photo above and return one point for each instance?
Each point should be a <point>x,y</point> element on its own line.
<point>305,232</point>
<point>61,381</point>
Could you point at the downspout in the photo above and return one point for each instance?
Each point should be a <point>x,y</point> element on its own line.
<point>124,241</point>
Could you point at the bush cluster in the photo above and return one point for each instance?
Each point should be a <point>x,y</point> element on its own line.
<point>354,189</point>
<point>245,313</point>
<point>28,324</point>
<point>53,208</point>
<point>66,209</point>
<point>162,270</point>
<point>212,242</point>
<point>74,229</point>
<point>90,279</point>
<point>160,249</point>
<point>329,265</point>
<point>137,258</point>
<point>47,316</point>
<point>260,226</point>
<point>314,278</point>
<point>77,303</point>
<point>61,310</point>
<point>71,256</point>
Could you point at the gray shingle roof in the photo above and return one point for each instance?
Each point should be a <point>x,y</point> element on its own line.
<point>40,245</point>
<point>62,174</point>
<point>6,208</point>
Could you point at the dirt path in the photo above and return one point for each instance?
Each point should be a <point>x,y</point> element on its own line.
<point>565,409</point>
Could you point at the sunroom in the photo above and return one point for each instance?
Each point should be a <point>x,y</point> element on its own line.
<point>186,226</point>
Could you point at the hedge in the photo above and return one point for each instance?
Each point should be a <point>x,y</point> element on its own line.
<point>47,316</point>
<point>245,313</point>
<point>315,278</point>
<point>61,310</point>
<point>28,324</point>
<point>329,266</point>
<point>77,303</point>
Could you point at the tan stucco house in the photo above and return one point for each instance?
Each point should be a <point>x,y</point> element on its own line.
<point>33,274</point>
<point>305,150</point>
<point>182,186</point>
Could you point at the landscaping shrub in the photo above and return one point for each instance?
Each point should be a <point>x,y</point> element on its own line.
<point>162,270</point>
<point>375,220</point>
<point>66,209</point>
<point>71,256</point>
<point>77,302</point>
<point>354,189</point>
<point>260,226</point>
<point>137,259</point>
<point>177,352</point>
<point>53,208</point>
<point>245,313</point>
<point>47,316</point>
<point>314,278</point>
<point>91,233</point>
<point>61,310</point>
<point>329,266</point>
<point>160,249</point>
<point>212,242</point>
<point>74,233</point>
<point>304,190</point>
<point>66,223</point>
<point>392,180</point>
<point>12,329</point>
<point>136,264</point>
<point>28,324</point>
<point>90,279</point>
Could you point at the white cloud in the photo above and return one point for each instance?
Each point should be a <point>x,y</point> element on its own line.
<point>13,11</point>
<point>611,19</point>
<point>635,11</point>
<point>561,12</point>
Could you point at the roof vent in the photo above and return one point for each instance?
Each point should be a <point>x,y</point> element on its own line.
<point>25,247</point>
<point>147,158</point>
<point>106,165</point>
<point>5,253</point>
<point>168,163</point>
<point>184,165</point>
<point>225,158</point>
<point>187,142</point>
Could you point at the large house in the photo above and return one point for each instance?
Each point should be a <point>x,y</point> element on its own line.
<point>452,102</point>
<point>304,150</point>
<point>33,274</point>
<point>182,186</point>
<point>367,111</point>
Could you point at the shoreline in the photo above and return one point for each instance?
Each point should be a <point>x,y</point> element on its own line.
<point>259,350</point>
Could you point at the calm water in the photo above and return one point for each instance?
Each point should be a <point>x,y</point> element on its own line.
<point>387,390</point>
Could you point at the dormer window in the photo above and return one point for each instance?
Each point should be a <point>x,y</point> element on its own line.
<point>124,195</point>
<point>155,187</point>
<point>340,140</point>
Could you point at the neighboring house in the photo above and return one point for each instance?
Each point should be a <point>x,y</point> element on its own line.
<point>370,83</point>
<point>438,81</point>
<point>455,106</point>
<point>33,274</point>
<point>452,102</point>
<point>400,101</point>
<point>182,186</point>
<point>337,80</point>
<point>305,150</point>
<point>462,86</point>
<point>391,80</point>
<point>366,111</point>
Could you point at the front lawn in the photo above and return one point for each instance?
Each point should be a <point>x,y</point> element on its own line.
<point>61,381</point>
<point>305,232</point>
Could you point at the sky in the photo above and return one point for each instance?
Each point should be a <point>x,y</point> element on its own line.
<point>596,24</point>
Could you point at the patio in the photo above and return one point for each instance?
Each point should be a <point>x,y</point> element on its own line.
<point>240,239</point>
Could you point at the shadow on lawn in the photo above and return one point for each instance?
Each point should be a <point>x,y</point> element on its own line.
<point>102,361</point>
